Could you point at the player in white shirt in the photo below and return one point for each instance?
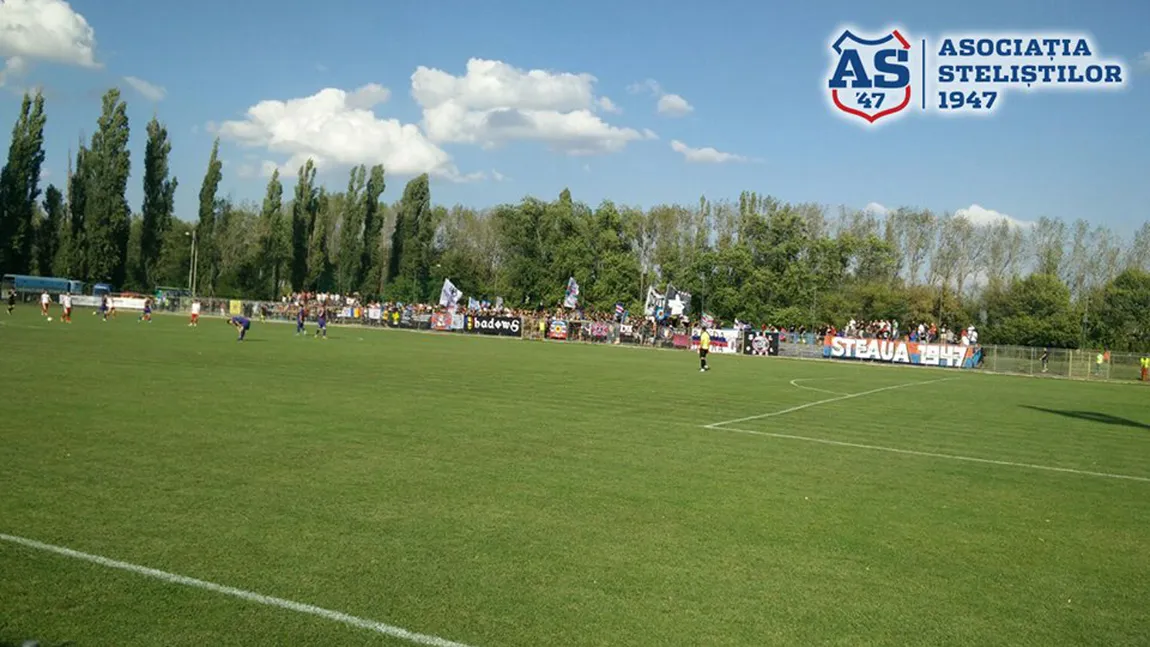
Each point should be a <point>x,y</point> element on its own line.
<point>45,301</point>
<point>195,314</point>
<point>66,301</point>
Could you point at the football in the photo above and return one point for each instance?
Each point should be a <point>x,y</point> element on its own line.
<point>49,319</point>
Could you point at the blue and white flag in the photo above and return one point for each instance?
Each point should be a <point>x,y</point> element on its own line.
<point>619,310</point>
<point>472,304</point>
<point>571,300</point>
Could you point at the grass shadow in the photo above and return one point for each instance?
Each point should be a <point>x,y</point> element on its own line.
<point>1092,416</point>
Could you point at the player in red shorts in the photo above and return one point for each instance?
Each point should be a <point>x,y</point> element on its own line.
<point>195,322</point>
<point>66,301</point>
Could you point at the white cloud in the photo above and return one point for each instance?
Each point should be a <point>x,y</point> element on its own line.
<point>706,155</point>
<point>876,208</point>
<point>670,105</point>
<point>497,176</point>
<point>982,217</point>
<point>494,103</point>
<point>650,86</point>
<point>607,105</point>
<point>649,134</point>
<point>673,105</point>
<point>264,170</point>
<point>340,128</point>
<point>149,91</point>
<point>43,30</point>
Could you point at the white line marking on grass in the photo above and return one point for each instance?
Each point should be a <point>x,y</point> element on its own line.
<point>299,607</point>
<point>953,457</point>
<point>795,383</point>
<point>826,401</point>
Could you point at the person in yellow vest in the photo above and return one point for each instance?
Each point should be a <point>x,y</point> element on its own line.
<point>1098,363</point>
<point>1145,362</point>
<point>704,347</point>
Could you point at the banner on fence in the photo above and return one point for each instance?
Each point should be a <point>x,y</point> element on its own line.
<point>235,306</point>
<point>375,313</point>
<point>600,330</point>
<point>557,330</point>
<point>723,340</point>
<point>82,301</point>
<point>490,325</point>
<point>124,303</point>
<point>901,352</point>
<point>761,343</point>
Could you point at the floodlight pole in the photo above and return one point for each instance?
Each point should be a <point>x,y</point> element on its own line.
<point>192,265</point>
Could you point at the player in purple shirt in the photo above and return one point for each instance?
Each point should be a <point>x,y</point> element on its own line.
<point>321,322</point>
<point>242,324</point>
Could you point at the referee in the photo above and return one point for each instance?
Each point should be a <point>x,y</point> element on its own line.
<point>704,347</point>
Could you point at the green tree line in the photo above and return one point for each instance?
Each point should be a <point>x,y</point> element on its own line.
<point>756,258</point>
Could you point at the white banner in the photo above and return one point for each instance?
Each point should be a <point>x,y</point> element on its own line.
<point>723,340</point>
<point>84,301</point>
<point>125,303</point>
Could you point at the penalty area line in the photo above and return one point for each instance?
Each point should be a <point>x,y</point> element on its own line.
<point>716,425</point>
<point>953,457</point>
<point>795,383</point>
<point>258,598</point>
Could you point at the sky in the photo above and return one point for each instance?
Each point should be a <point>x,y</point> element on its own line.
<point>638,102</point>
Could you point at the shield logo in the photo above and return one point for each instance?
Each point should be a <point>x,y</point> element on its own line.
<point>870,77</point>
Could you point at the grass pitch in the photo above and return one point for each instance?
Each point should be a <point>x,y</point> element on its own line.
<point>499,492</point>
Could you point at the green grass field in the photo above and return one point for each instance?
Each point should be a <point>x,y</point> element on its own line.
<point>506,493</point>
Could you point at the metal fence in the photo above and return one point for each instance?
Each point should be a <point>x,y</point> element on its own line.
<point>1081,364</point>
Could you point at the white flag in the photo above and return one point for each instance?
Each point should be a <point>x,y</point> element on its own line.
<point>449,295</point>
<point>571,300</point>
<point>654,299</point>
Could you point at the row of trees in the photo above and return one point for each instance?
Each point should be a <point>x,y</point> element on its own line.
<point>757,258</point>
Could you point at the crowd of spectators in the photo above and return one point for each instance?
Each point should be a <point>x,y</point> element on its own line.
<point>352,307</point>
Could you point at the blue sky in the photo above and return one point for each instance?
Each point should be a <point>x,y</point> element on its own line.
<point>754,74</point>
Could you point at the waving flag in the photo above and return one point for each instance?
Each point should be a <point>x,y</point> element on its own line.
<point>498,303</point>
<point>571,300</point>
<point>472,304</point>
<point>449,295</point>
<point>678,303</point>
<point>619,310</point>
<point>708,321</point>
<point>654,300</point>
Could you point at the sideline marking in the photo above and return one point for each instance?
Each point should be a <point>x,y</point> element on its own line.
<point>795,383</point>
<point>954,457</point>
<point>715,425</point>
<point>300,607</point>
